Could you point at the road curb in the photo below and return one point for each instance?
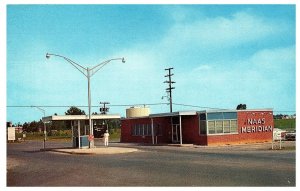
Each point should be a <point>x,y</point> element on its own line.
<point>94,151</point>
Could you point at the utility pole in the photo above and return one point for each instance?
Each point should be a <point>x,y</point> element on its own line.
<point>170,82</point>
<point>104,109</point>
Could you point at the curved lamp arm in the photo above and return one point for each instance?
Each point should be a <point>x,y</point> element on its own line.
<point>77,66</point>
<point>99,66</point>
<point>85,71</point>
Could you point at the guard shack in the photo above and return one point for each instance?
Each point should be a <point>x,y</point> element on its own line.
<point>80,126</point>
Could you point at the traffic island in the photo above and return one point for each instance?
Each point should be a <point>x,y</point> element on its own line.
<point>95,151</point>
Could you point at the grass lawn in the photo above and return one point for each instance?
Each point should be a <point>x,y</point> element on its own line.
<point>40,136</point>
<point>114,136</point>
<point>285,124</point>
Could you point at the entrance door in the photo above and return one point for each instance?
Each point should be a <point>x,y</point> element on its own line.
<point>175,133</point>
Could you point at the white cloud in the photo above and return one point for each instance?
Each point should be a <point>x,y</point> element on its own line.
<point>266,79</point>
<point>204,38</point>
<point>216,82</point>
<point>222,32</point>
<point>276,59</point>
<point>203,67</point>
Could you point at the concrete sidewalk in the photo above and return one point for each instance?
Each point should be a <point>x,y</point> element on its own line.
<point>96,150</point>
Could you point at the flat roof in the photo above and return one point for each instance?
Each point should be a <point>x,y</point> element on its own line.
<point>79,117</point>
<point>173,114</point>
<point>204,111</point>
<point>233,110</point>
<point>196,112</point>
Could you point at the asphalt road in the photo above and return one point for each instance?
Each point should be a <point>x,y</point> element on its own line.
<point>151,166</point>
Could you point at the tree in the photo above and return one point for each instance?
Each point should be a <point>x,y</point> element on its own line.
<point>241,107</point>
<point>58,125</point>
<point>25,126</point>
<point>74,111</point>
<point>33,126</point>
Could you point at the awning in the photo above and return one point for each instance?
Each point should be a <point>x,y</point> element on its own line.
<point>79,117</point>
<point>179,113</point>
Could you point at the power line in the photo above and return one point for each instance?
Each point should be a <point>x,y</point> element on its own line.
<point>63,106</point>
<point>130,105</point>
<point>48,106</point>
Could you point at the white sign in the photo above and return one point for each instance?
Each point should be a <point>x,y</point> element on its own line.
<point>256,125</point>
<point>254,129</point>
<point>11,134</point>
<point>277,134</point>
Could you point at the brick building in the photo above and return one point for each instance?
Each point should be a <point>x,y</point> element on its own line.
<point>209,127</point>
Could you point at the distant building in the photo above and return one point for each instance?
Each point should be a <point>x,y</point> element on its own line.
<point>19,129</point>
<point>281,116</point>
<point>10,132</point>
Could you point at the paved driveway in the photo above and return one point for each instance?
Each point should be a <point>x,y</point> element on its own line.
<point>151,166</point>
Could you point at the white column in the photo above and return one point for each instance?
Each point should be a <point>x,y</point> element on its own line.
<point>92,143</point>
<point>72,133</point>
<point>92,133</point>
<point>79,134</point>
<point>272,139</point>
<point>92,129</point>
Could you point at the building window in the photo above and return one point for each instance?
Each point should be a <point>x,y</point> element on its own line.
<point>214,116</point>
<point>219,126</point>
<point>145,130</point>
<point>230,115</point>
<point>132,130</point>
<point>221,115</point>
<point>211,127</point>
<point>226,126</point>
<point>233,126</point>
<point>222,123</point>
<point>202,116</point>
<point>139,129</point>
<point>149,132</point>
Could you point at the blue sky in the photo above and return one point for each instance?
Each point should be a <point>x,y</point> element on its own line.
<point>222,55</point>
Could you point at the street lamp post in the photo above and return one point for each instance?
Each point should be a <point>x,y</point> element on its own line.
<point>45,132</point>
<point>87,72</point>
